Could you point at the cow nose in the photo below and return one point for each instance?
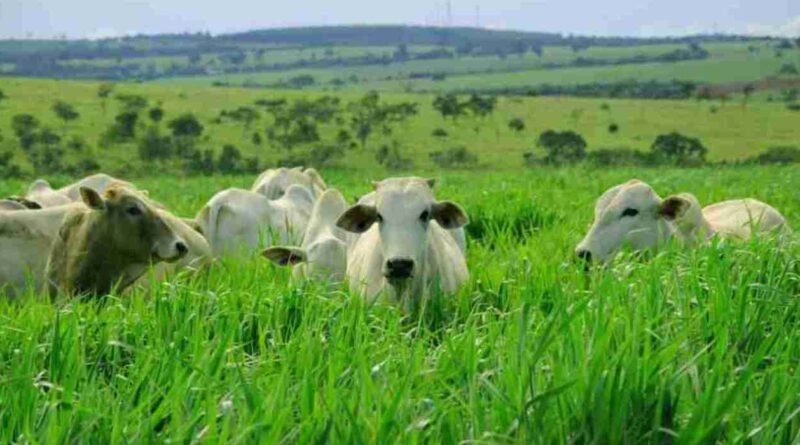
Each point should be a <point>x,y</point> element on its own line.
<point>399,268</point>
<point>181,248</point>
<point>584,255</point>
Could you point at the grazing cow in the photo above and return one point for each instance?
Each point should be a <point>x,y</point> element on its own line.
<point>274,182</point>
<point>41,193</point>
<point>25,240</point>
<point>404,249</point>
<point>323,253</point>
<point>111,241</point>
<point>237,221</point>
<point>633,214</point>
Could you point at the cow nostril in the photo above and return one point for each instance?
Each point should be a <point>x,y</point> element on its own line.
<point>181,248</point>
<point>399,268</point>
<point>585,255</point>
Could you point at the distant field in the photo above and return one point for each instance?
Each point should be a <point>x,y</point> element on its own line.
<point>728,62</point>
<point>730,130</point>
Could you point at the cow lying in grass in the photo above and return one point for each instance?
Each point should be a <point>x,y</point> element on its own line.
<point>274,182</point>
<point>633,214</point>
<point>41,193</point>
<point>109,242</point>
<point>323,254</point>
<point>404,250</point>
<point>238,222</point>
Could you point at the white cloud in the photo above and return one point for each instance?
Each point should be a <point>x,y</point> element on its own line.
<point>790,28</point>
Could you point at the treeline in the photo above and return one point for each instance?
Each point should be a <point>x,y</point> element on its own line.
<point>631,89</point>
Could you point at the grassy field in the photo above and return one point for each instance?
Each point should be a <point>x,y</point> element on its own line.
<point>731,130</point>
<point>727,62</point>
<point>685,346</point>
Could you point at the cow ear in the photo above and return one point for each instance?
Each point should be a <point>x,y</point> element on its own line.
<point>431,182</point>
<point>285,256</point>
<point>10,205</point>
<point>449,215</point>
<point>358,219</point>
<point>92,199</point>
<point>673,207</point>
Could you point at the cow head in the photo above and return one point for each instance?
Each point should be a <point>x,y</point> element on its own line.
<point>132,227</point>
<point>630,214</point>
<point>403,210</point>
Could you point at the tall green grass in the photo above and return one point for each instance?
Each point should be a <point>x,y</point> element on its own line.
<point>680,346</point>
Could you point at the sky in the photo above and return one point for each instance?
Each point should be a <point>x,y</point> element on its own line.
<point>113,18</point>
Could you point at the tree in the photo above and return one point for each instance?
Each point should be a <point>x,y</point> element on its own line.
<point>229,159</point>
<point>448,106</point>
<point>24,127</point>
<point>103,91</point>
<point>747,90</point>
<point>3,96</point>
<point>153,146</point>
<point>679,149</point>
<point>480,106</point>
<point>132,102</point>
<point>564,147</point>
<point>185,131</point>
<point>66,112</point>
<point>186,125</point>
<point>156,114</point>
<point>516,124</point>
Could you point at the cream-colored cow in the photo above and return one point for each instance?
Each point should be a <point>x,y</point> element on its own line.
<point>274,182</point>
<point>633,214</point>
<point>404,250</point>
<point>43,194</point>
<point>323,254</point>
<point>239,222</point>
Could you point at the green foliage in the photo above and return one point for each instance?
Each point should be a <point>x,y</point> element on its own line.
<point>65,111</point>
<point>679,149</point>
<point>456,157</point>
<point>564,147</point>
<point>186,125</point>
<point>779,155</point>
<point>516,124</point>
<point>154,146</point>
<point>391,156</point>
<point>156,114</point>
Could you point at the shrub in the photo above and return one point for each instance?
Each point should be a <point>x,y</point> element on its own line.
<point>608,157</point>
<point>516,124</point>
<point>439,133</point>
<point>153,146</point>
<point>8,169</point>
<point>613,128</point>
<point>566,147</point>
<point>456,157</point>
<point>390,156</point>
<point>679,149</point>
<point>229,160</point>
<point>779,155</point>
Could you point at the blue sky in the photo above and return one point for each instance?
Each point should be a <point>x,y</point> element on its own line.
<point>103,18</point>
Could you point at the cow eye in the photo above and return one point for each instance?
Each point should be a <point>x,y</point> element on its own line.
<point>134,211</point>
<point>630,212</point>
<point>379,218</point>
<point>425,217</point>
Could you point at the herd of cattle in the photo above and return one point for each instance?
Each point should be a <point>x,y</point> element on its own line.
<point>398,241</point>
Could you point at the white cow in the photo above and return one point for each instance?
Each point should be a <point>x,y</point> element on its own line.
<point>43,194</point>
<point>10,205</point>
<point>404,250</point>
<point>633,214</point>
<point>273,183</point>
<point>25,240</point>
<point>323,253</point>
<point>238,222</point>
<point>458,233</point>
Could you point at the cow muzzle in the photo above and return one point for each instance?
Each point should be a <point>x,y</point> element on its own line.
<point>170,252</point>
<point>398,268</point>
